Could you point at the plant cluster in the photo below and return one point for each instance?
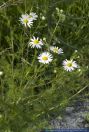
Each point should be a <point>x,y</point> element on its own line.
<point>39,43</point>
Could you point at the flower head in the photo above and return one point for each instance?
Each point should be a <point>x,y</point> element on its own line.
<point>1,73</point>
<point>25,20</point>
<point>56,49</point>
<point>45,58</point>
<point>61,14</point>
<point>35,42</point>
<point>33,16</point>
<point>69,65</point>
<point>43,18</point>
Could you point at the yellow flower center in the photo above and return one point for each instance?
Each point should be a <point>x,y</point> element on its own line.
<point>55,50</point>
<point>26,21</point>
<point>45,58</point>
<point>36,41</point>
<point>69,64</point>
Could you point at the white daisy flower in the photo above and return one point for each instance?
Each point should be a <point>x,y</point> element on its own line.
<point>45,58</point>
<point>56,49</point>
<point>33,16</point>
<point>69,65</point>
<point>36,42</point>
<point>25,20</point>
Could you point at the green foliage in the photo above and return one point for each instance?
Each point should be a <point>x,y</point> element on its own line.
<point>32,93</point>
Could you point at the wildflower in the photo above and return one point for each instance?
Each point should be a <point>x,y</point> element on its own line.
<point>55,71</point>
<point>61,11</point>
<point>43,17</point>
<point>44,39</point>
<point>75,51</point>
<point>79,70</point>
<point>25,20</point>
<point>56,49</point>
<point>69,65</point>
<point>45,58</point>
<point>61,14</point>
<point>78,57</point>
<point>1,73</point>
<point>36,42</point>
<point>57,9</point>
<point>33,16</point>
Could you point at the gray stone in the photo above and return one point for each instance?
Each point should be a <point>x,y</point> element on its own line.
<point>69,109</point>
<point>74,117</point>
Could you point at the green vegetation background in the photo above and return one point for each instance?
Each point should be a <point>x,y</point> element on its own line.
<point>32,94</point>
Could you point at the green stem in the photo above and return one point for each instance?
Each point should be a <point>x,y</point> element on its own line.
<point>12,54</point>
<point>54,31</point>
<point>2,90</point>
